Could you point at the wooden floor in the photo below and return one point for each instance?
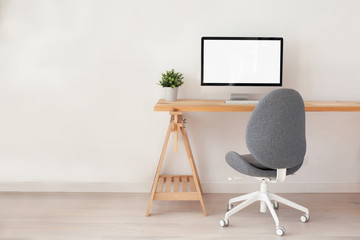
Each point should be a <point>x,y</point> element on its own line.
<point>108,216</point>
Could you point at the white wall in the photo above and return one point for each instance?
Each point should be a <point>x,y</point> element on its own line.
<point>78,85</point>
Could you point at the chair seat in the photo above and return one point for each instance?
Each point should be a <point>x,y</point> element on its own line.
<point>247,164</point>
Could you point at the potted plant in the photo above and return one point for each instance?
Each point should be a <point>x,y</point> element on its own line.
<point>171,81</point>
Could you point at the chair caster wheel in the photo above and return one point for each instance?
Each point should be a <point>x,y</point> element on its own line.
<point>280,231</point>
<point>275,205</point>
<point>304,218</point>
<point>224,222</point>
<point>229,207</point>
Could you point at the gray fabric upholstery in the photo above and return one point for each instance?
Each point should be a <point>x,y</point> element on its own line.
<point>247,164</point>
<point>275,136</point>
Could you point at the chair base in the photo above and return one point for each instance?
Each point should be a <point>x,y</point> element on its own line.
<point>265,199</point>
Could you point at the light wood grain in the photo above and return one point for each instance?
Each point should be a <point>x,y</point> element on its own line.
<point>176,125</point>
<point>195,105</point>
<point>160,185</point>
<point>177,196</point>
<point>168,184</point>
<point>110,216</point>
<point>158,169</point>
<point>193,169</point>
<point>176,184</point>
<point>184,184</point>
<point>192,185</point>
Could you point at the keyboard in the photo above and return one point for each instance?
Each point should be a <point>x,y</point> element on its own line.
<point>253,102</point>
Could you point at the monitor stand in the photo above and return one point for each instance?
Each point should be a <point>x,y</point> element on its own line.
<point>239,96</point>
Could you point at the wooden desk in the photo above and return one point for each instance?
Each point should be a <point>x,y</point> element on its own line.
<point>187,105</point>
<point>167,187</point>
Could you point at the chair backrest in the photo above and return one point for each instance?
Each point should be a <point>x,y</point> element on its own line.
<point>275,134</point>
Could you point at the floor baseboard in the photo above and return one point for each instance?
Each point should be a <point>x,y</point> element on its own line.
<point>207,187</point>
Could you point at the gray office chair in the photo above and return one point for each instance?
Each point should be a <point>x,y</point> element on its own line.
<point>275,137</point>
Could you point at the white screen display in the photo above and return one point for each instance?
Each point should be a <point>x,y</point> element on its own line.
<point>241,61</point>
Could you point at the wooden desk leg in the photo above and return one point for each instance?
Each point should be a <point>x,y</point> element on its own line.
<point>162,156</point>
<point>193,169</point>
<point>176,125</point>
<point>176,131</point>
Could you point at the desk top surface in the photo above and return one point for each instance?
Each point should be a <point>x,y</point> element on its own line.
<point>201,105</point>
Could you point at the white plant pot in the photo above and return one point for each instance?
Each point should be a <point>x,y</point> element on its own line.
<point>171,94</point>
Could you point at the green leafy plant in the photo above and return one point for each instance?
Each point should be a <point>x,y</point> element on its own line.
<point>171,79</point>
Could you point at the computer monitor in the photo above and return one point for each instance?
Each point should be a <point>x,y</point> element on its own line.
<point>241,61</point>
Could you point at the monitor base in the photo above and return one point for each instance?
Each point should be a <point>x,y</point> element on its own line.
<point>239,96</point>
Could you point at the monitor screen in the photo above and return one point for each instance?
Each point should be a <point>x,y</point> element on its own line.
<point>241,61</point>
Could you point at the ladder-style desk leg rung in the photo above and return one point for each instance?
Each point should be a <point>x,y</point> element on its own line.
<point>176,187</point>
